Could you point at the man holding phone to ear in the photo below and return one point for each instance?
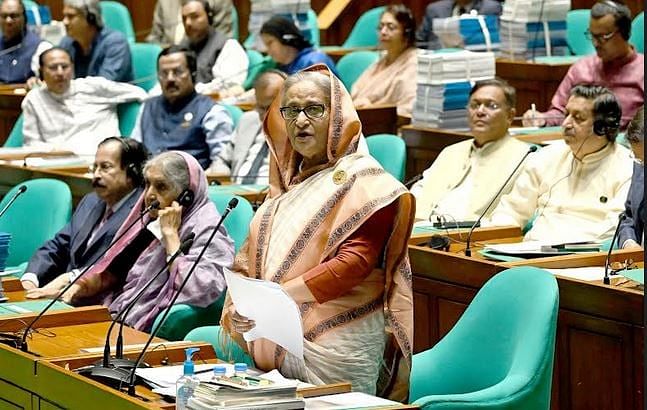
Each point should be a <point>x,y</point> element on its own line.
<point>574,191</point>
<point>181,119</point>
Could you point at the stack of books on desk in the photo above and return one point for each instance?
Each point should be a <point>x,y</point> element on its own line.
<point>473,32</point>
<point>5,239</point>
<point>534,28</point>
<point>215,396</point>
<point>443,85</point>
<point>263,10</point>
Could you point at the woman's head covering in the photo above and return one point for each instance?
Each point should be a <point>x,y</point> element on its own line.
<point>286,32</point>
<point>344,131</point>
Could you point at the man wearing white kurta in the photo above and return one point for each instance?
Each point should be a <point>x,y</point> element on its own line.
<point>576,189</point>
<point>466,176</point>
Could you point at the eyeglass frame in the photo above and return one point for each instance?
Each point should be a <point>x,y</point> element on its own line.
<point>302,110</point>
<point>103,168</point>
<point>178,72</point>
<point>487,105</point>
<point>14,16</point>
<point>600,38</point>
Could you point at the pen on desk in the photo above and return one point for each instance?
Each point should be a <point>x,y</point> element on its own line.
<point>203,371</point>
<point>533,108</point>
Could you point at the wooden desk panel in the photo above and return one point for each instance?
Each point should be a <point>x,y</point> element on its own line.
<point>9,109</point>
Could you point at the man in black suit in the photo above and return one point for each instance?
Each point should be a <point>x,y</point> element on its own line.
<point>117,181</point>
<point>632,229</point>
<point>425,37</point>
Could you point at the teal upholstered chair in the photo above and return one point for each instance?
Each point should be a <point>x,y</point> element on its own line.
<point>364,32</point>
<point>183,318</point>
<point>225,348</point>
<point>127,113</point>
<point>351,66</point>
<point>145,64</point>
<point>15,138</point>
<point>577,23</point>
<point>390,151</point>
<point>638,32</point>
<point>117,17</point>
<point>235,25</point>
<point>235,113</point>
<point>30,221</point>
<point>500,353</point>
<point>258,63</point>
<point>313,25</point>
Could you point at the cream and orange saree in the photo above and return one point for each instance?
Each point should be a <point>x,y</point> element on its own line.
<point>302,224</point>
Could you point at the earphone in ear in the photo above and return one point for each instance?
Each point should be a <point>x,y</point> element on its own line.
<point>185,198</point>
<point>288,37</point>
<point>90,17</point>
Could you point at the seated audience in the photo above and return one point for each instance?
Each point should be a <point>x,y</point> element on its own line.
<point>632,229</point>
<point>19,46</point>
<point>391,79</point>
<point>343,253</point>
<point>574,191</point>
<point>167,27</point>
<point>222,63</point>
<point>97,51</point>
<point>425,36</point>
<point>246,156</point>
<point>117,181</point>
<point>171,178</point>
<point>464,178</point>
<point>73,115</point>
<point>287,46</point>
<point>616,65</point>
<point>181,119</point>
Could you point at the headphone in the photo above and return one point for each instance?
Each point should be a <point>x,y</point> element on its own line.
<point>439,242</point>
<point>90,17</point>
<point>606,120</point>
<point>186,198</point>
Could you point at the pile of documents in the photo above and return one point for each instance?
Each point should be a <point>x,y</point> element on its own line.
<point>263,10</point>
<point>534,28</point>
<point>5,239</point>
<point>215,395</point>
<point>470,31</point>
<point>444,82</point>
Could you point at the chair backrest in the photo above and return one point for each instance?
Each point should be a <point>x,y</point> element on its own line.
<point>257,64</point>
<point>577,23</point>
<point>235,26</point>
<point>237,223</point>
<point>145,64</point>
<point>235,113</point>
<point>15,138</point>
<point>390,151</point>
<point>501,349</point>
<point>35,216</point>
<point>351,66</point>
<point>127,113</point>
<point>638,32</point>
<point>117,17</point>
<point>364,32</point>
<point>313,24</point>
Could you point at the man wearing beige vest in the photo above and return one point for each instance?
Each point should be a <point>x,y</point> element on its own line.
<point>465,177</point>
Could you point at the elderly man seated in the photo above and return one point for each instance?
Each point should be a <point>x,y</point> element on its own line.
<point>574,191</point>
<point>73,115</point>
<point>465,177</point>
<point>180,119</point>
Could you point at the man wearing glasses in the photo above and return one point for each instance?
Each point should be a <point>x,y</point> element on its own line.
<point>72,115</point>
<point>180,118</point>
<point>117,182</point>
<point>466,176</point>
<point>19,47</point>
<point>616,66</point>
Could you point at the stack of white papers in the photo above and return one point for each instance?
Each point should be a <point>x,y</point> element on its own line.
<point>471,32</point>
<point>451,67</point>
<point>535,10</point>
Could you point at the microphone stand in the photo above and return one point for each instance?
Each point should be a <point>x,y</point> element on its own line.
<point>23,342</point>
<point>468,251</point>
<point>113,372</point>
<point>21,191</point>
<point>131,380</point>
<point>607,280</point>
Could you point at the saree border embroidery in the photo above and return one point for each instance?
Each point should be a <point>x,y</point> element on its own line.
<point>400,334</point>
<point>337,118</point>
<point>343,318</point>
<point>262,236</point>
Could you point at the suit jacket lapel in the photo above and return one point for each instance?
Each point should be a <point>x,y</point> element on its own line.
<point>88,224</point>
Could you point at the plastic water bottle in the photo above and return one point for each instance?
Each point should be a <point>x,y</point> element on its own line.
<point>185,385</point>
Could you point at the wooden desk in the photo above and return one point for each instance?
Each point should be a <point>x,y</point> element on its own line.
<point>9,108</point>
<point>534,82</point>
<point>378,119</point>
<point>598,359</point>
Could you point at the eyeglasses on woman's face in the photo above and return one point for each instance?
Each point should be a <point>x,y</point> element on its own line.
<point>312,111</point>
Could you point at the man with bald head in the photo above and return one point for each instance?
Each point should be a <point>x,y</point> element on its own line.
<point>246,156</point>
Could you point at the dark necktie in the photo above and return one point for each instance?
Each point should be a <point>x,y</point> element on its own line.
<point>256,165</point>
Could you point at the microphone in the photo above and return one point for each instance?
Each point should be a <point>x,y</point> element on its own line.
<point>21,191</point>
<point>607,261</point>
<point>468,251</point>
<point>131,380</point>
<point>111,372</point>
<point>23,343</point>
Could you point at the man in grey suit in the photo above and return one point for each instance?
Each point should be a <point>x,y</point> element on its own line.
<point>117,181</point>
<point>246,155</point>
<point>425,37</point>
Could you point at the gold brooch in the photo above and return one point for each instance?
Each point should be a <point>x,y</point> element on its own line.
<point>339,177</point>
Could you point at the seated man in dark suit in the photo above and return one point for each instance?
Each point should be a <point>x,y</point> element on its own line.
<point>117,185</point>
<point>425,37</point>
<point>632,229</point>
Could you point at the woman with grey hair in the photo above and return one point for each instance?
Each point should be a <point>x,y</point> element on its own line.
<point>632,228</point>
<point>176,180</point>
